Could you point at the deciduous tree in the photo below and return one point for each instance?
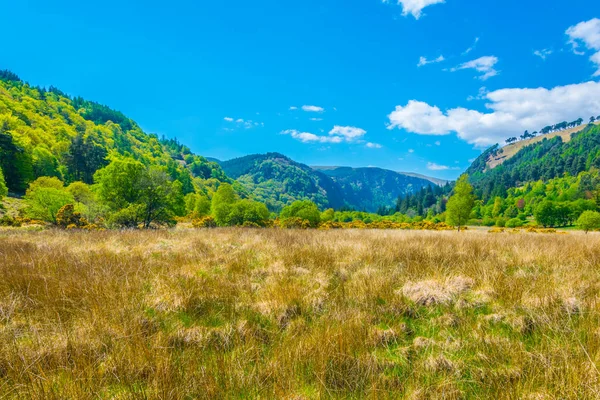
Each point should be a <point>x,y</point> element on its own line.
<point>461,203</point>
<point>589,220</point>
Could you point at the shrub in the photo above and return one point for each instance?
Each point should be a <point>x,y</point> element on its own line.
<point>45,197</point>
<point>500,222</point>
<point>204,222</point>
<point>514,223</point>
<point>294,223</point>
<point>589,221</point>
<point>67,217</point>
<point>128,217</point>
<point>304,210</point>
<point>7,220</point>
<point>487,221</point>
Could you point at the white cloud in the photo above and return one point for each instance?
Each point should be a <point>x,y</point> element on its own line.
<point>485,65</point>
<point>480,94</point>
<point>348,132</point>
<point>542,53</point>
<point>247,124</point>
<point>511,111</point>
<point>588,34</point>
<point>307,137</point>
<point>596,60</point>
<point>424,61</point>
<point>436,167</point>
<point>338,134</point>
<point>411,151</point>
<point>292,108</point>
<point>371,145</point>
<point>438,143</point>
<point>313,109</point>
<point>316,119</point>
<point>470,49</point>
<point>415,7</point>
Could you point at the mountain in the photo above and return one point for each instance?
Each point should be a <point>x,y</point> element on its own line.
<point>277,180</point>
<point>370,188</point>
<point>543,158</point>
<point>437,181</point>
<point>44,132</point>
<point>511,149</point>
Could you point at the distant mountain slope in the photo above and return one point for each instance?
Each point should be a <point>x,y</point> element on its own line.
<point>544,158</point>
<point>369,188</point>
<point>437,181</point>
<point>277,180</point>
<point>510,150</point>
<point>44,132</point>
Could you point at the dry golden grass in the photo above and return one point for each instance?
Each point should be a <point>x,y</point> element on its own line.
<point>234,313</point>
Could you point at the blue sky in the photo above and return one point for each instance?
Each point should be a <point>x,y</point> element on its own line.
<point>326,82</point>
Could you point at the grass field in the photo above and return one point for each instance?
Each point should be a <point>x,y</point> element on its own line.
<point>234,313</point>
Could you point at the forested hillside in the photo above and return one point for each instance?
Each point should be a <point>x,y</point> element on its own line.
<point>277,180</point>
<point>543,160</point>
<point>44,132</point>
<point>550,181</point>
<point>372,188</point>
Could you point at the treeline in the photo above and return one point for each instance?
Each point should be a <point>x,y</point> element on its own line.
<point>429,200</point>
<point>561,126</point>
<point>127,194</point>
<point>556,202</point>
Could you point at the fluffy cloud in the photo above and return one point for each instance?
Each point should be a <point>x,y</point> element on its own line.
<point>424,61</point>
<point>307,137</point>
<point>436,167</point>
<point>348,132</point>
<point>338,134</point>
<point>485,65</point>
<point>588,34</point>
<point>313,109</point>
<point>415,7</point>
<point>292,108</point>
<point>542,53</point>
<point>228,119</point>
<point>371,145</point>
<point>511,111</point>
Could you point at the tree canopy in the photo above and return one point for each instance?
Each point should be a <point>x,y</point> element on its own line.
<point>460,204</point>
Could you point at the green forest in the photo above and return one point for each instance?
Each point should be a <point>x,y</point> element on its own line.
<point>79,164</point>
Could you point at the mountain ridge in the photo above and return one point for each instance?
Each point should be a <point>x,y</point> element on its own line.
<point>367,188</point>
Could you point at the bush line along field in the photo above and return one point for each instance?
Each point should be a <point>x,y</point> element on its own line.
<point>247,313</point>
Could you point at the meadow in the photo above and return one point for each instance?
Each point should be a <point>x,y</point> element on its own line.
<point>298,314</point>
